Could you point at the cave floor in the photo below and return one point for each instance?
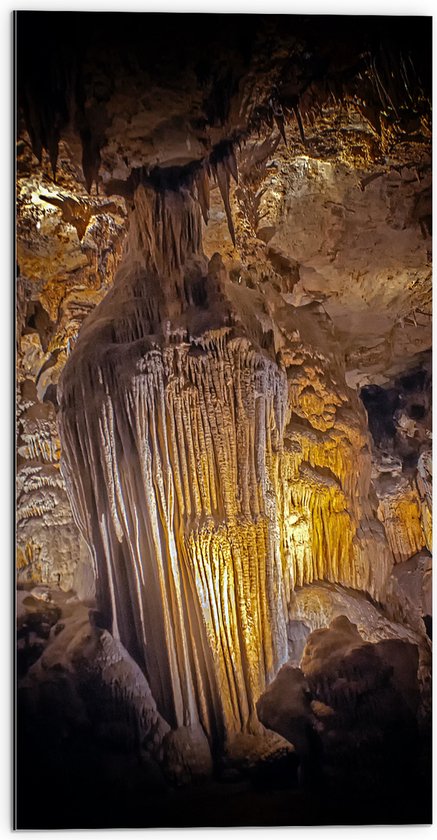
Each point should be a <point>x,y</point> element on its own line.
<point>67,777</point>
<point>79,786</point>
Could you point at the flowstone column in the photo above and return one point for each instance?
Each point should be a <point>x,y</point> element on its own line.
<point>171,423</point>
<point>215,460</point>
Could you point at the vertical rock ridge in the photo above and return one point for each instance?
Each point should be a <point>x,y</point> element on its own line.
<point>198,506</point>
<point>213,464</point>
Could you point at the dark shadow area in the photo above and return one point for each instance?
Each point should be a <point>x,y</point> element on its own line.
<point>81,785</point>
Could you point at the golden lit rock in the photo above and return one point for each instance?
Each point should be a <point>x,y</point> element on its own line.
<point>399,510</point>
<point>424,487</point>
<point>253,474</point>
<point>223,417</point>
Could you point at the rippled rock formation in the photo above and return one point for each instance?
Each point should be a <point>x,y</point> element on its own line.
<point>215,460</point>
<point>223,418</point>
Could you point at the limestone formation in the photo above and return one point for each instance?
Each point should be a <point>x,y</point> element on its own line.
<point>399,510</point>
<point>91,671</point>
<point>215,460</point>
<point>424,487</point>
<point>224,477</point>
<point>67,250</point>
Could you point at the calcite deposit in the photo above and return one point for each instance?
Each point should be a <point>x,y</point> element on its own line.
<point>226,462</point>
<point>224,474</point>
<point>68,246</point>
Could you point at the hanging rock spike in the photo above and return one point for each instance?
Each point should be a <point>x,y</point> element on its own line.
<point>280,122</point>
<point>299,122</point>
<point>223,181</point>
<point>231,161</point>
<point>202,183</point>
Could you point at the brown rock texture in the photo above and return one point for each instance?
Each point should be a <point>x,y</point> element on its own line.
<point>399,510</point>
<point>68,245</point>
<point>251,456</point>
<point>224,384</point>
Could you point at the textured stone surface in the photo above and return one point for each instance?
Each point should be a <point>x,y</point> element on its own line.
<point>373,693</point>
<point>424,487</point>
<point>269,759</point>
<point>415,578</point>
<point>399,510</point>
<point>218,245</point>
<point>92,678</point>
<point>286,708</point>
<point>371,278</point>
<point>339,216</point>
<point>320,603</point>
<point>68,245</point>
<point>233,407</point>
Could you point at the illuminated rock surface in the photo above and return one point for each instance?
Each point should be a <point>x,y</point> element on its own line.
<point>216,459</point>
<point>67,248</point>
<point>424,486</point>
<point>400,511</point>
<point>224,419</point>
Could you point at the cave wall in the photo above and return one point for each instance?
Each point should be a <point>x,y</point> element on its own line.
<point>209,270</point>
<point>67,249</point>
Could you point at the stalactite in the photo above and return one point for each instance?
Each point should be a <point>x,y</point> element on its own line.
<point>300,123</point>
<point>167,185</point>
<point>223,165</point>
<point>39,443</point>
<point>202,182</point>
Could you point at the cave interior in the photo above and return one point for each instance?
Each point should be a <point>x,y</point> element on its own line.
<point>224,431</point>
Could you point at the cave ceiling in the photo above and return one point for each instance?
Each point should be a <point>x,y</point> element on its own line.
<point>324,123</point>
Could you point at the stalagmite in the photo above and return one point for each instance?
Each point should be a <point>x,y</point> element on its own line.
<point>215,460</point>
